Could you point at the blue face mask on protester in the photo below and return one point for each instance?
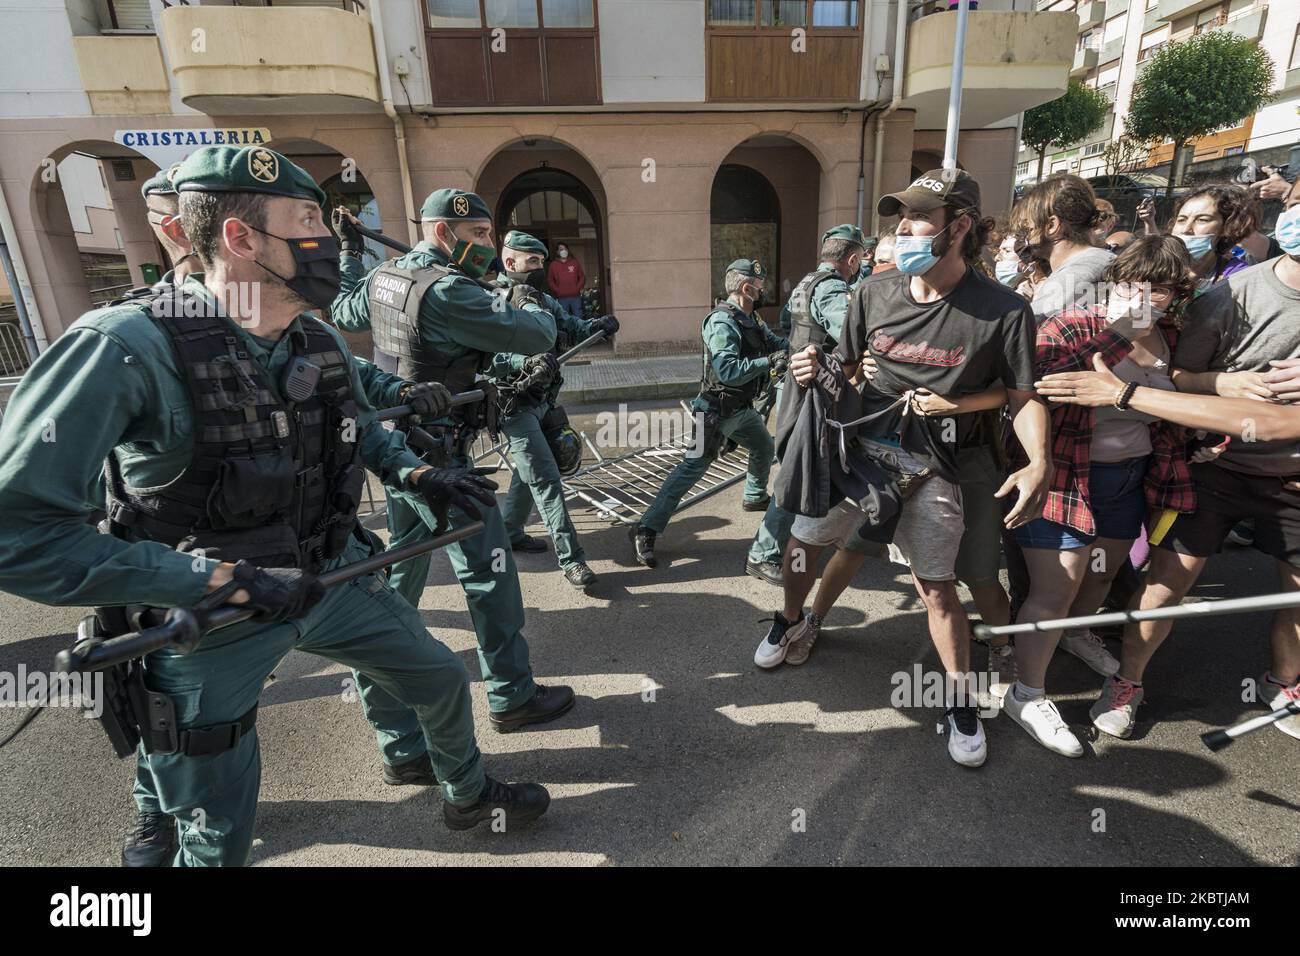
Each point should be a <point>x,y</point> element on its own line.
<point>913,255</point>
<point>1287,232</point>
<point>1198,246</point>
<point>1006,271</point>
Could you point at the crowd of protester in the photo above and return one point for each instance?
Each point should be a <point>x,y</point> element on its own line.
<point>1120,400</point>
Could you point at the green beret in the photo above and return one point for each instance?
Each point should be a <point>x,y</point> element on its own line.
<point>454,204</point>
<point>161,182</point>
<point>248,169</point>
<point>749,267</point>
<point>523,242</point>
<point>846,231</point>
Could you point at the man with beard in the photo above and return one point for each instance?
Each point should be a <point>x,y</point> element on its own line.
<point>933,326</point>
<point>234,430</point>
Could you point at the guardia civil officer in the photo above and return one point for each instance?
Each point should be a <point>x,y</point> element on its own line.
<point>740,354</point>
<point>233,474</point>
<point>160,199</point>
<point>814,315</point>
<point>434,321</point>
<point>542,445</point>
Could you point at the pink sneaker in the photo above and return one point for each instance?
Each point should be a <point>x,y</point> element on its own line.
<point>1115,712</point>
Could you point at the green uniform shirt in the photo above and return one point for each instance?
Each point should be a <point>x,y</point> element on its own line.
<point>383,389</point>
<point>457,315</point>
<point>829,306</point>
<point>506,365</point>
<point>111,383</point>
<point>722,339</point>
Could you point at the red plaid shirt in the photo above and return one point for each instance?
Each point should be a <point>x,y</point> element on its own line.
<point>1067,343</point>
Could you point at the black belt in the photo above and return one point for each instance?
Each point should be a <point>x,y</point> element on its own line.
<point>217,738</point>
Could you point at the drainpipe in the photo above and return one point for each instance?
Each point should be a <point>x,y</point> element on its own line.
<point>399,131</point>
<point>20,283</point>
<point>900,54</point>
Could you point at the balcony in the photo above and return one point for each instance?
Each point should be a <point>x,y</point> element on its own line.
<point>1111,51</point>
<point>1249,25</point>
<point>233,60</point>
<point>1115,7</point>
<point>1173,9</point>
<point>1091,14</point>
<point>1014,61</point>
<point>122,75</point>
<point>1085,61</point>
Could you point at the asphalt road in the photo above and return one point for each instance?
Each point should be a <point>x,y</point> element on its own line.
<point>680,751</point>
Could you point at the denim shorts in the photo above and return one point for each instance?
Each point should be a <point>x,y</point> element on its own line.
<point>1118,503</point>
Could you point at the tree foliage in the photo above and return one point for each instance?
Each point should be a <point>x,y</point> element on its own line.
<point>1066,119</point>
<point>1190,89</point>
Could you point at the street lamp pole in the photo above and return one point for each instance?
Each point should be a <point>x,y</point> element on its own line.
<point>954,92</point>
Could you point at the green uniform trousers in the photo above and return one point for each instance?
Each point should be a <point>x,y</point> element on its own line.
<point>772,535</point>
<point>537,479</point>
<point>747,429</point>
<point>485,567</point>
<point>363,624</point>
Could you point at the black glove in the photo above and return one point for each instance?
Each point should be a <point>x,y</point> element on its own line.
<point>458,487</point>
<point>606,323</point>
<point>276,594</point>
<point>521,295</point>
<point>349,239</point>
<point>778,362</point>
<point>429,400</point>
<point>541,369</point>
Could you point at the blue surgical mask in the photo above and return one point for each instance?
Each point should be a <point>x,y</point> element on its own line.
<point>1006,271</point>
<point>1198,246</point>
<point>1287,232</point>
<point>913,255</point>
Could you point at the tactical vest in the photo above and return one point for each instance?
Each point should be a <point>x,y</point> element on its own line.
<point>269,481</point>
<point>395,297</point>
<point>752,346</point>
<point>804,329</point>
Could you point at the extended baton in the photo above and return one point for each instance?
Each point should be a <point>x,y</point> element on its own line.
<point>1261,602</point>
<point>181,629</point>
<point>1218,739</point>
<point>461,398</point>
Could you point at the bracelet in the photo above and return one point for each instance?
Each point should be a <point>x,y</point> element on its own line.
<point>1125,396</point>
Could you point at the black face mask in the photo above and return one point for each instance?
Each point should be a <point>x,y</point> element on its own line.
<point>315,279</point>
<point>535,279</point>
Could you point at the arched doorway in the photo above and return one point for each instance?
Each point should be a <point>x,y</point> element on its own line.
<point>764,205</point>
<point>744,223</point>
<point>92,226</point>
<point>549,190</point>
<point>556,207</point>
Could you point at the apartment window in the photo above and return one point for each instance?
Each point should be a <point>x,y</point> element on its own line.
<point>1022,169</point>
<point>1096,149</point>
<point>1152,4</point>
<point>785,14</point>
<point>1108,77</point>
<point>1153,41</point>
<point>1090,40</point>
<point>1115,28</point>
<point>551,58</point>
<point>515,14</point>
<point>125,16</point>
<point>1295,51</point>
<point>1234,150</point>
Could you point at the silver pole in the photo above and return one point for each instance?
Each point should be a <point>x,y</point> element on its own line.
<point>954,92</point>
<point>1260,602</point>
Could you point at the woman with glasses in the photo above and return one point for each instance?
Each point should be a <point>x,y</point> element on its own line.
<point>1110,466</point>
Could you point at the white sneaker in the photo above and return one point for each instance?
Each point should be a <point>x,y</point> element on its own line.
<point>1275,698</point>
<point>1115,712</point>
<point>772,648</point>
<point>1087,646</point>
<point>966,742</point>
<point>1043,722</point>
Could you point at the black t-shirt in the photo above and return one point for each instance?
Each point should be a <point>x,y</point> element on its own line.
<point>980,334</point>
